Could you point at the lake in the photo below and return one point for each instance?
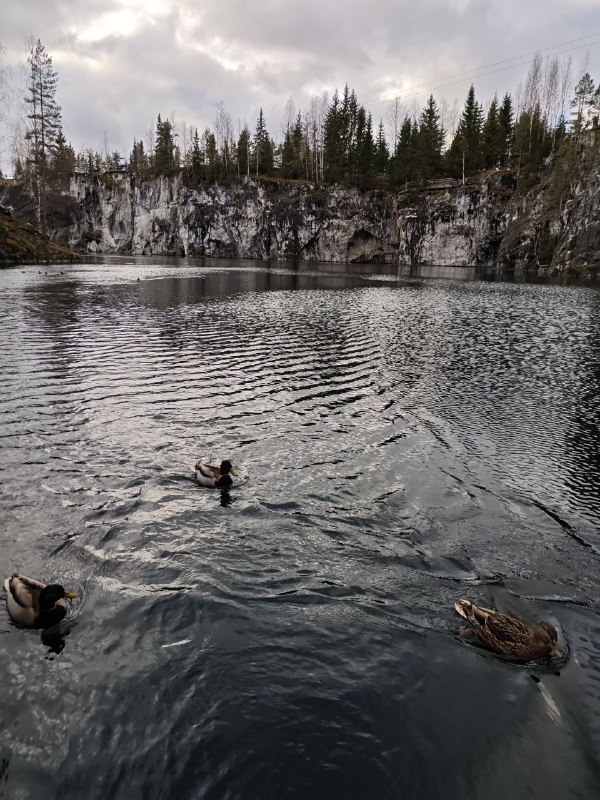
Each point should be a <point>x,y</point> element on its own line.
<point>401,442</point>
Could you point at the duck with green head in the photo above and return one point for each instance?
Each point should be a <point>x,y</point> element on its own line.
<point>34,604</point>
<point>215,477</point>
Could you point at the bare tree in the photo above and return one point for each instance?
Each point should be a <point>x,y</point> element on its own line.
<point>550,91</point>
<point>396,111</point>
<point>533,85</point>
<point>565,84</point>
<point>149,141</point>
<point>4,100</point>
<point>449,116</point>
<point>289,116</point>
<point>315,136</point>
<point>224,136</point>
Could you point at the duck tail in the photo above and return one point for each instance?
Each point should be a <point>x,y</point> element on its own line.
<point>7,585</point>
<point>464,608</point>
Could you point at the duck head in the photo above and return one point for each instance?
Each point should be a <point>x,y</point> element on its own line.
<point>51,594</point>
<point>546,635</point>
<point>226,468</point>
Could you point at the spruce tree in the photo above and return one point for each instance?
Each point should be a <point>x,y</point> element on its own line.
<point>243,152</point>
<point>429,143</point>
<point>291,153</point>
<point>506,124</point>
<point>211,155</point>
<point>333,146</point>
<point>492,137</point>
<point>164,149</point>
<point>196,162</point>
<point>464,156</point>
<point>362,149</point>
<point>262,157</point>
<point>403,163</point>
<point>382,153</point>
<point>63,160</point>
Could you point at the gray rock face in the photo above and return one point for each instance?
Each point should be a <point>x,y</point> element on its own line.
<point>268,220</point>
<point>484,223</point>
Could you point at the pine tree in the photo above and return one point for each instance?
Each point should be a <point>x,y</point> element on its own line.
<point>44,122</point>
<point>583,103</point>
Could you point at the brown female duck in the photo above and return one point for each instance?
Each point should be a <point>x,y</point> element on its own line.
<point>508,636</point>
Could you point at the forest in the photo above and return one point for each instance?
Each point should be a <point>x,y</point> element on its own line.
<point>334,141</point>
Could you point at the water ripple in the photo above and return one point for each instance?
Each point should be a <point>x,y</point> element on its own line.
<point>399,444</point>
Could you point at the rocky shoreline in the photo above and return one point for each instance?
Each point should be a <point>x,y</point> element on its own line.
<point>23,244</point>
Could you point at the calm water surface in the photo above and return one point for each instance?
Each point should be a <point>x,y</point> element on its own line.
<point>401,443</point>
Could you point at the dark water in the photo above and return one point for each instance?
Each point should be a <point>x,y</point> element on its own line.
<point>401,443</point>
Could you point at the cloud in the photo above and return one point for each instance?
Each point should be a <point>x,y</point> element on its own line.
<point>121,62</point>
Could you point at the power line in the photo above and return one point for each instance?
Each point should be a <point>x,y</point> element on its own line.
<point>439,83</point>
<point>506,60</point>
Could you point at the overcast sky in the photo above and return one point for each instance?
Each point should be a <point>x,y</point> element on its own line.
<point>121,62</point>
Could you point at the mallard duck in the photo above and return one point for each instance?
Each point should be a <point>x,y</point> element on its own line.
<point>508,636</point>
<point>210,476</point>
<point>33,604</point>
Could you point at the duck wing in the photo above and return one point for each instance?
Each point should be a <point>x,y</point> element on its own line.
<point>22,599</point>
<point>209,471</point>
<point>504,634</point>
<point>509,629</point>
<point>24,591</point>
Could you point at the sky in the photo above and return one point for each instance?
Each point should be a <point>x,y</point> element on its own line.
<point>122,62</point>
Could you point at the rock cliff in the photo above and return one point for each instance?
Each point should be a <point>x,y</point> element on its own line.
<point>489,222</point>
<point>274,220</point>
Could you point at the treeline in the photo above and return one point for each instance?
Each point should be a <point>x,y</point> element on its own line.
<point>334,141</point>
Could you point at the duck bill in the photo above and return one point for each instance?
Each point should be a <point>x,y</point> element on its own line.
<point>557,651</point>
<point>70,595</point>
<point>233,472</point>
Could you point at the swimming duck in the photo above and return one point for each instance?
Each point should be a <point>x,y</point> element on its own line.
<point>35,604</point>
<point>508,636</point>
<point>212,477</point>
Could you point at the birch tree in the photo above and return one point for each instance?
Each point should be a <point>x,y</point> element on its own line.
<point>224,137</point>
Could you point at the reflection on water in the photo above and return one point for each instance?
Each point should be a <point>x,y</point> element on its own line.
<point>401,442</point>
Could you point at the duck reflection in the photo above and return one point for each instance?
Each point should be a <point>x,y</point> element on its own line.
<point>55,639</point>
<point>226,498</point>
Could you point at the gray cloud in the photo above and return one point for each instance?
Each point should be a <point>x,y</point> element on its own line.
<point>121,62</point>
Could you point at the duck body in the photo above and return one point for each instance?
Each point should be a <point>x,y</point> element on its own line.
<point>215,477</point>
<point>34,604</point>
<point>509,636</point>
